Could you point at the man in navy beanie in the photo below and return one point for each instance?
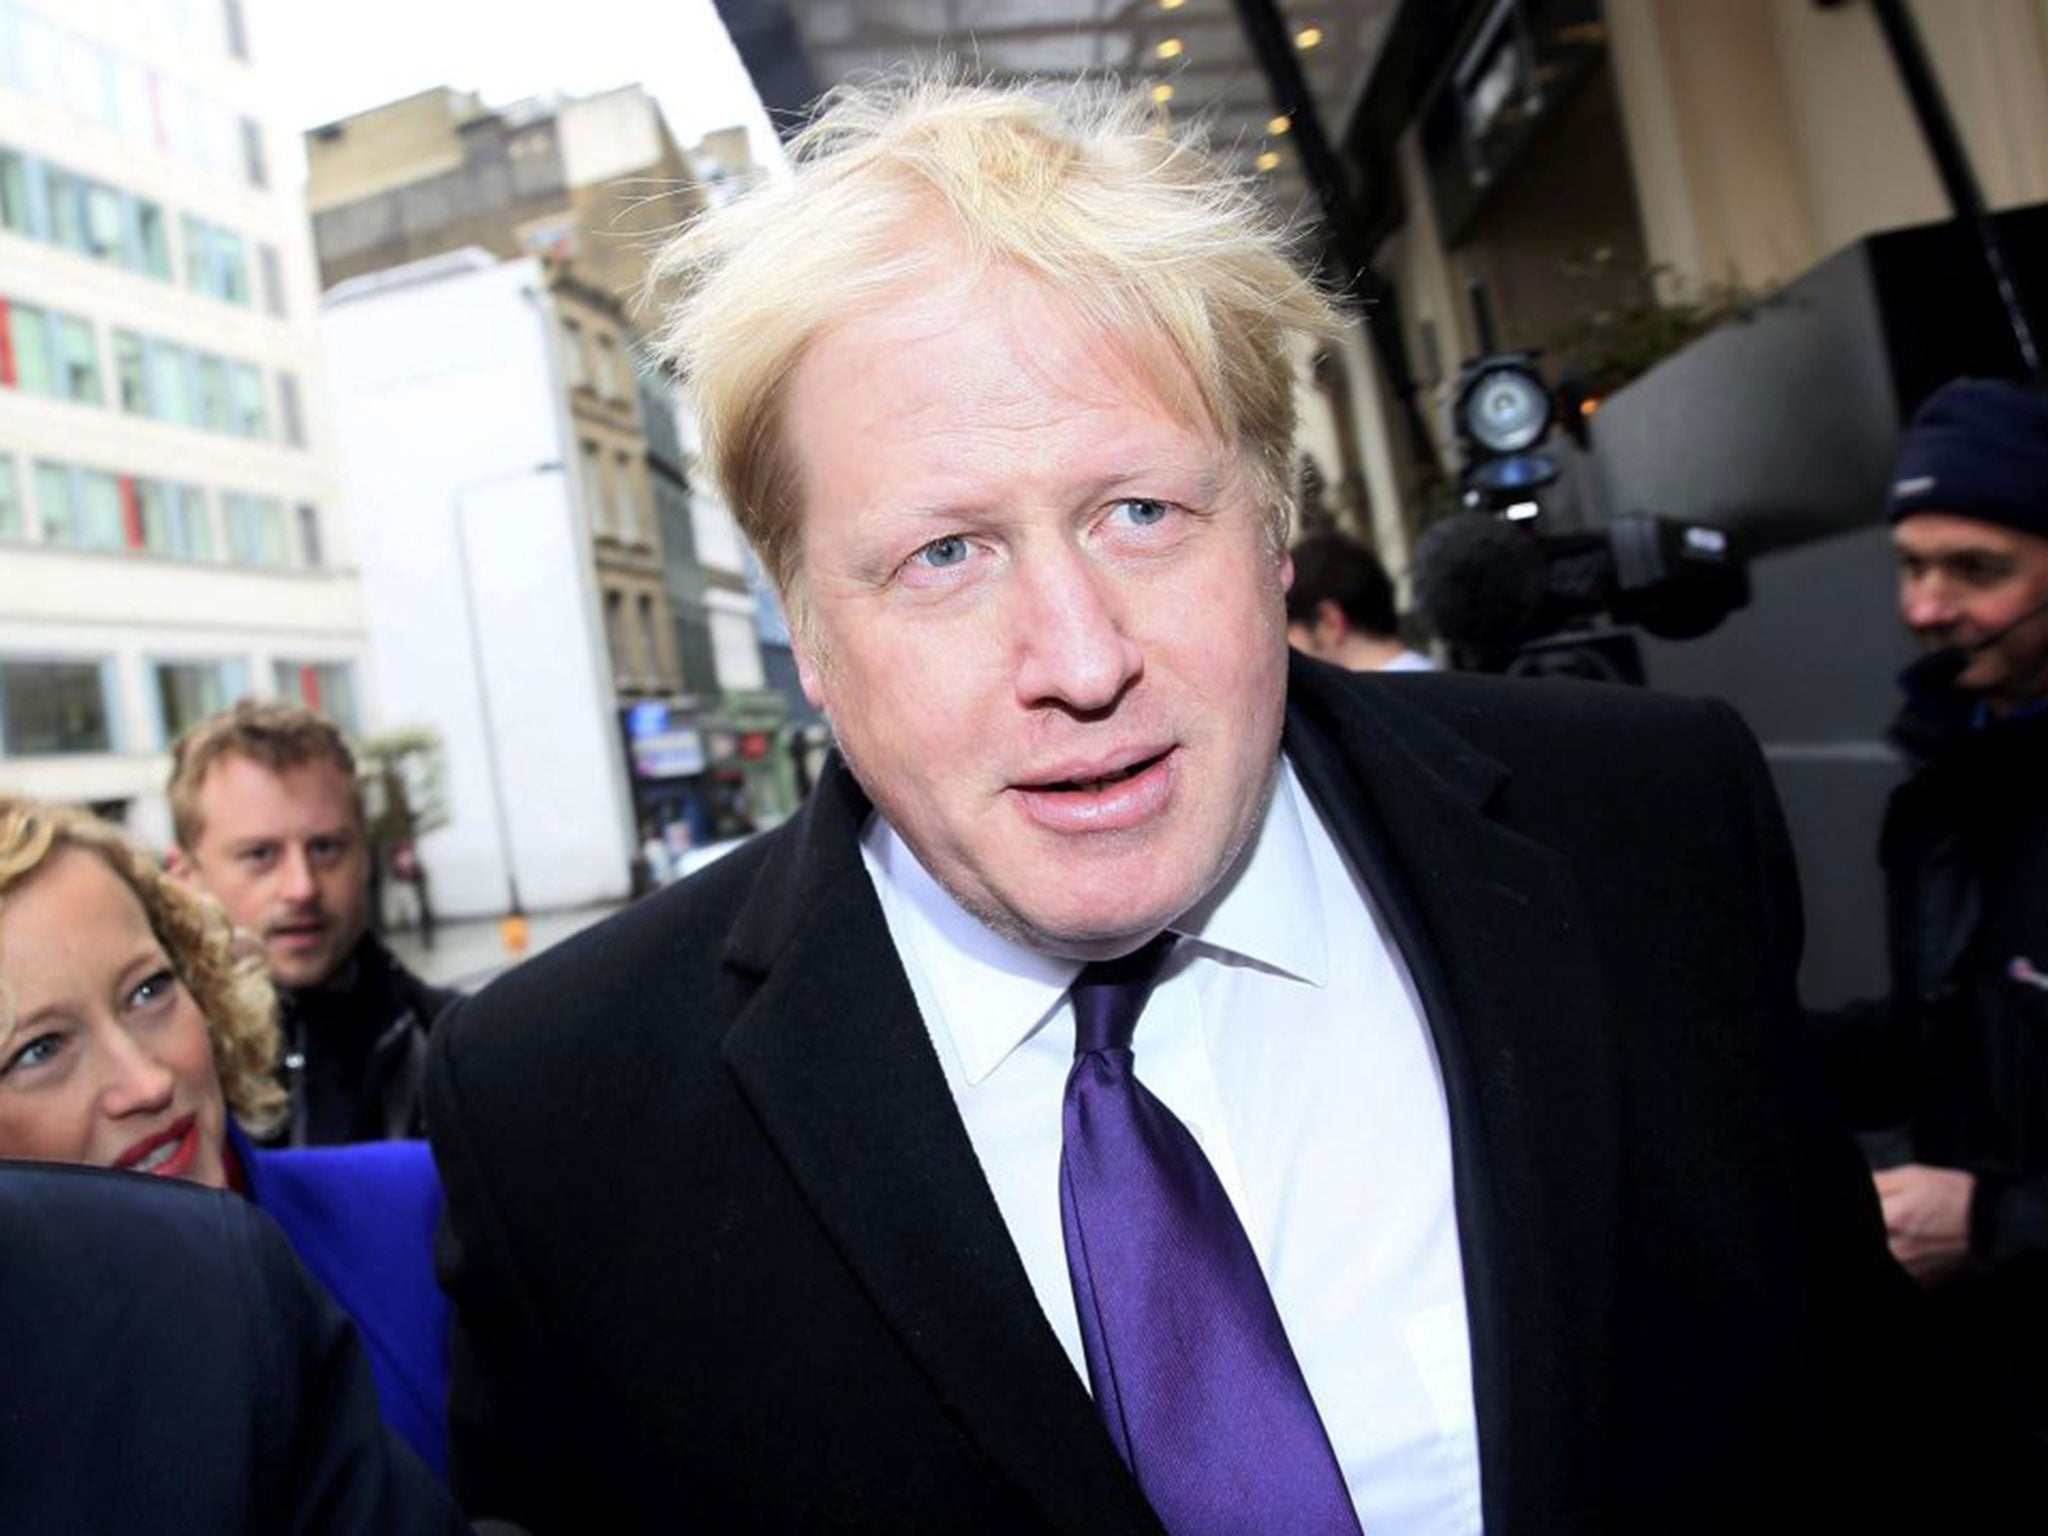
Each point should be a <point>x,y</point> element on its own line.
<point>1960,1054</point>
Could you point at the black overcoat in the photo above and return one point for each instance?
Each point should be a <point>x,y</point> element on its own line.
<point>723,1258</point>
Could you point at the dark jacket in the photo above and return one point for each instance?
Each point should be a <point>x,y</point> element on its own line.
<point>1965,852</point>
<point>170,1370</point>
<point>1959,1053</point>
<point>356,1050</point>
<point>720,1249</point>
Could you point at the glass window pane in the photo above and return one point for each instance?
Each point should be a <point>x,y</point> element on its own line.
<point>99,520</point>
<point>102,221</point>
<point>128,373</point>
<point>14,213</point>
<point>53,502</point>
<point>170,388</point>
<point>273,279</point>
<point>210,375</point>
<point>231,267</point>
<point>11,529</point>
<point>187,692</point>
<point>288,409</point>
<point>53,707</point>
<point>67,210</point>
<point>79,351</point>
<point>195,529</point>
<point>29,334</point>
<point>309,534</point>
<point>251,414</point>
<point>155,255</point>
<point>252,153</point>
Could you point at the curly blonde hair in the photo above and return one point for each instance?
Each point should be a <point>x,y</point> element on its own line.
<point>230,987</point>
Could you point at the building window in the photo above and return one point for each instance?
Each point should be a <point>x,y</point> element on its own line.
<point>232,25</point>
<point>251,412</point>
<point>252,153</point>
<point>627,517</point>
<point>272,268</point>
<point>216,262</point>
<point>288,414</point>
<point>11,529</point>
<point>78,362</point>
<point>14,208</point>
<point>608,366</point>
<point>650,651</point>
<point>25,363</point>
<point>326,687</point>
<point>256,530</point>
<point>187,692</point>
<point>171,520</point>
<point>594,494</point>
<point>211,408</point>
<point>152,244</point>
<point>572,353</point>
<point>615,634</point>
<point>310,542</point>
<point>79,508</point>
<point>130,381</point>
<point>49,707</point>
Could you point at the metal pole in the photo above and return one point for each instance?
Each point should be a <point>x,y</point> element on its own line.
<point>1938,127</point>
<point>515,911</point>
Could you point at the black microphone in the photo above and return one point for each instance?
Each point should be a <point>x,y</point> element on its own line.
<point>1480,583</point>
<point>1938,670</point>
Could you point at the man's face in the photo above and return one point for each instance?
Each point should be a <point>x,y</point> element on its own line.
<point>1962,581</point>
<point>285,853</point>
<point>1043,613</point>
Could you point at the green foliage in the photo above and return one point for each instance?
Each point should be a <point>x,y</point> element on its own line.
<point>404,775</point>
<point>1611,342</point>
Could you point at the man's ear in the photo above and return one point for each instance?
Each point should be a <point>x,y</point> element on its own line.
<point>179,866</point>
<point>810,673</point>
<point>1331,625</point>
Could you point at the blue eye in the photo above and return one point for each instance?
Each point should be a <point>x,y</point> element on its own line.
<point>33,1054</point>
<point>940,553</point>
<point>1143,512</point>
<point>152,989</point>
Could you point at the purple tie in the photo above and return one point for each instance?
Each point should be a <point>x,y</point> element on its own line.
<point>1187,1357</point>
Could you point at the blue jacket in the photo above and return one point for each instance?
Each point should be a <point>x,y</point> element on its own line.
<point>361,1217</point>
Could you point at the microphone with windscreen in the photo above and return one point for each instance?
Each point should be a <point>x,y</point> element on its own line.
<point>1480,584</point>
<point>1938,670</point>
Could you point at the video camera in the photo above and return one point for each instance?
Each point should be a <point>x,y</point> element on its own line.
<point>1508,595</point>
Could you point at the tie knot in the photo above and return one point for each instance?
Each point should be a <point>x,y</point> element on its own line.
<point>1110,994</point>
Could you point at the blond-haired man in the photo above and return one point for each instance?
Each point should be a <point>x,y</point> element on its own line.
<point>269,820</point>
<point>1452,1177</point>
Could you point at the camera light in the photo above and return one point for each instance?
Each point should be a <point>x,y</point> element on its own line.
<point>1506,409</point>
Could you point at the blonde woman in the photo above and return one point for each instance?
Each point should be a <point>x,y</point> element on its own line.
<point>134,1035</point>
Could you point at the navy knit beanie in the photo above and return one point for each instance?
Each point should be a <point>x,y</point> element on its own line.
<point>1978,448</point>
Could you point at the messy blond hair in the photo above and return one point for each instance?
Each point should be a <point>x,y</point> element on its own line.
<point>272,733</point>
<point>231,988</point>
<point>1148,239</point>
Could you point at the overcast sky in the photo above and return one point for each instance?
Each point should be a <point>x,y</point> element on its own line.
<point>324,59</point>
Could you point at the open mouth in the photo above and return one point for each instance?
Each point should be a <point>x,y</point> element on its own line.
<point>167,1154</point>
<point>1106,781</point>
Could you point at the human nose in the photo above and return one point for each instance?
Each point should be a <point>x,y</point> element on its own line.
<point>1927,601</point>
<point>136,1082</point>
<point>1073,648</point>
<point>295,882</point>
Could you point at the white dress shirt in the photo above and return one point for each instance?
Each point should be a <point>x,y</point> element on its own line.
<point>1286,1035</point>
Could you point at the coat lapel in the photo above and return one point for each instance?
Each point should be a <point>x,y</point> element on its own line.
<point>1495,935</point>
<point>836,1062</point>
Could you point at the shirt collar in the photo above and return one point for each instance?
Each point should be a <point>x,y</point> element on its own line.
<point>993,993</point>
